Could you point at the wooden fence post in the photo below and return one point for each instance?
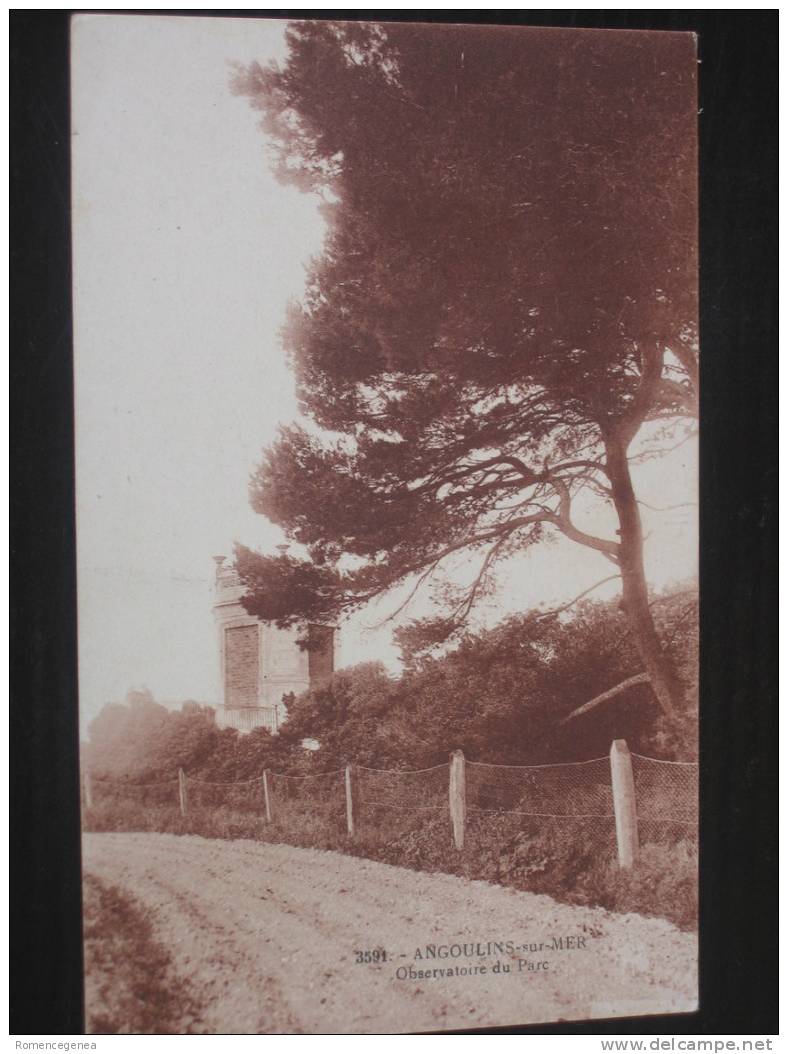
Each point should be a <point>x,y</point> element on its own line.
<point>87,790</point>
<point>349,801</point>
<point>266,796</point>
<point>182,798</point>
<point>624,803</point>
<point>457,797</point>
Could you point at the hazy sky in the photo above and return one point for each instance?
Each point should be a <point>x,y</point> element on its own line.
<point>186,251</point>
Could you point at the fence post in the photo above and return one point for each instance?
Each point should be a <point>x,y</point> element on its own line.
<point>349,801</point>
<point>457,797</point>
<point>266,796</point>
<point>624,804</point>
<point>87,790</point>
<point>182,799</point>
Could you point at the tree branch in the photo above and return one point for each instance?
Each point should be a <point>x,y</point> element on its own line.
<point>563,521</point>
<point>630,682</point>
<point>689,361</point>
<point>668,508</point>
<point>499,533</point>
<point>565,607</point>
<point>566,465</point>
<point>658,452</point>
<point>464,609</point>
<point>683,394</point>
<point>411,594</point>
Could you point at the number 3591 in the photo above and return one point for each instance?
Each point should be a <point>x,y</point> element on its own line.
<point>377,955</point>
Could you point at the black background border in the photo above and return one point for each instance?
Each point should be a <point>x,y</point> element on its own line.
<point>738,145</point>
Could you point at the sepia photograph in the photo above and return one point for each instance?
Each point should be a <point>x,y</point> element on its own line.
<point>386,393</point>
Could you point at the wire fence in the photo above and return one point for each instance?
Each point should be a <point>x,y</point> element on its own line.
<point>400,803</point>
<point>116,792</point>
<point>241,796</point>
<point>666,793</point>
<point>319,798</point>
<point>566,800</point>
<point>467,801</point>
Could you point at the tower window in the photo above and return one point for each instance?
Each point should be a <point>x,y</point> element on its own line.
<point>241,665</point>
<point>321,653</point>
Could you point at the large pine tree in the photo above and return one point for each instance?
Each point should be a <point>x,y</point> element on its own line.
<point>506,297</point>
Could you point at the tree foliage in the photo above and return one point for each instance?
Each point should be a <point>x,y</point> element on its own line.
<point>505,298</point>
<point>141,740</point>
<point>502,695</point>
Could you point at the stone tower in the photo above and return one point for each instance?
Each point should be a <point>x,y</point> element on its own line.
<point>260,663</point>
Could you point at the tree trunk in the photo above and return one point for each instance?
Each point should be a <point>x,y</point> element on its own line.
<point>635,590</point>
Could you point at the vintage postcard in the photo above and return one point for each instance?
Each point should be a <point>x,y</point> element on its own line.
<point>386,364</point>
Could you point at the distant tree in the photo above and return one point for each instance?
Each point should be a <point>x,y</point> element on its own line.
<point>141,739</point>
<point>505,299</point>
<point>119,736</point>
<point>140,698</point>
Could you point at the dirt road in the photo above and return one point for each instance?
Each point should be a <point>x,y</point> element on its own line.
<point>266,937</point>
